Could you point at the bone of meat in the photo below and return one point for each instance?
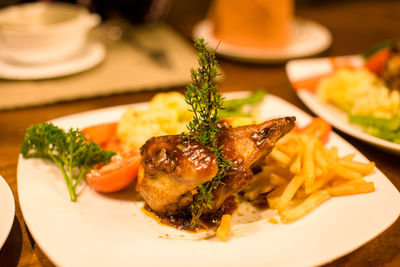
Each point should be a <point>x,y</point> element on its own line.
<point>172,168</point>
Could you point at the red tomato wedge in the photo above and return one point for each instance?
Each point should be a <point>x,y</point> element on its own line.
<point>101,133</point>
<point>377,61</point>
<point>104,135</point>
<point>319,128</point>
<point>115,175</point>
<point>310,83</point>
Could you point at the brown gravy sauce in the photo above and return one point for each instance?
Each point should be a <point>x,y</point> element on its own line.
<point>182,221</point>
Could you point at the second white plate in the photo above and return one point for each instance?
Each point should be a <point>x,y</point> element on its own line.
<point>308,68</point>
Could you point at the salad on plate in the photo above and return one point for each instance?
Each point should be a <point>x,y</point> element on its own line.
<point>364,88</point>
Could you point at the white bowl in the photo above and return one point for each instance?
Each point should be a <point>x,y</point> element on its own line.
<point>37,33</point>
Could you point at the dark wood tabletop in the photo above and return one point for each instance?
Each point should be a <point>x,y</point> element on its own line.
<point>355,26</point>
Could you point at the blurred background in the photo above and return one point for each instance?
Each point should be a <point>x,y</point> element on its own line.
<point>146,45</point>
<point>139,11</point>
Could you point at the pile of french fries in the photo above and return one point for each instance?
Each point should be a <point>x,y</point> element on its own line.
<point>301,173</point>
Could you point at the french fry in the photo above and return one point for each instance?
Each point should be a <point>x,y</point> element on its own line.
<point>273,221</point>
<point>289,191</point>
<point>224,228</point>
<point>360,167</point>
<point>277,180</point>
<point>279,156</point>
<point>309,204</point>
<point>289,148</point>
<point>288,140</point>
<point>318,171</point>
<point>300,194</point>
<point>345,173</point>
<point>308,165</point>
<point>348,157</point>
<point>332,154</point>
<point>260,179</point>
<point>273,197</point>
<point>351,188</point>
<point>284,172</point>
<point>253,194</point>
<point>303,173</point>
<point>268,169</point>
<point>320,159</point>
<point>295,167</point>
<point>321,182</point>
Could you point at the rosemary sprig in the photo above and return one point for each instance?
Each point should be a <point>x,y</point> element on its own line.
<point>205,102</point>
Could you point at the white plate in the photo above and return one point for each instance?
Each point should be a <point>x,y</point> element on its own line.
<point>309,38</point>
<point>7,210</point>
<point>91,55</point>
<point>112,230</point>
<point>307,68</point>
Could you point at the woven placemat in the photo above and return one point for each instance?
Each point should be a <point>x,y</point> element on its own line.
<point>126,68</point>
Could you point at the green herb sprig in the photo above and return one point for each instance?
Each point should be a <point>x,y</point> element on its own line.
<point>387,44</point>
<point>235,107</point>
<point>205,102</point>
<point>70,150</point>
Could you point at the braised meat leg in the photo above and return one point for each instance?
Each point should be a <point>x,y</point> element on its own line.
<point>244,146</point>
<point>172,167</point>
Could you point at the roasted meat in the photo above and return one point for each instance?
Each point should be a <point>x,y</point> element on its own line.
<point>244,146</point>
<point>172,168</point>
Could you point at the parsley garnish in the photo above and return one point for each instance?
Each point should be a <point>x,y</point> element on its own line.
<point>205,102</point>
<point>70,150</point>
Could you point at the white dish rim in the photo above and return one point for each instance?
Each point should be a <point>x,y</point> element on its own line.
<point>91,55</point>
<point>9,202</point>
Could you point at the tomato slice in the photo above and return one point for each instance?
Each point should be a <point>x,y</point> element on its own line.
<point>310,83</point>
<point>319,128</point>
<point>105,135</point>
<point>101,133</point>
<point>115,175</point>
<point>376,63</point>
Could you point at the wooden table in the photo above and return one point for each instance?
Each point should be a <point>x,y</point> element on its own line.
<point>355,26</point>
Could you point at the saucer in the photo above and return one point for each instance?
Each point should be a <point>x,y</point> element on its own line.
<point>309,38</point>
<point>88,57</point>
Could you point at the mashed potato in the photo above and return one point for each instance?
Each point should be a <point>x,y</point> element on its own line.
<point>359,92</point>
<point>167,114</point>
